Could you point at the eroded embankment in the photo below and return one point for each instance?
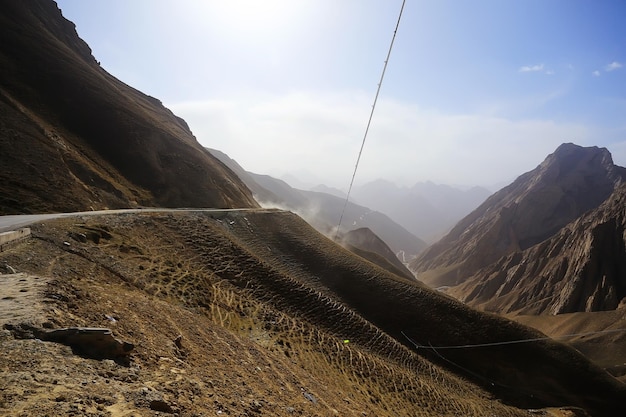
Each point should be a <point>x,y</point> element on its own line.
<point>271,280</point>
<point>215,326</point>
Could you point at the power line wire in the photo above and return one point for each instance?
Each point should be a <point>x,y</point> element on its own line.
<point>491,381</point>
<point>369,121</point>
<point>510,342</point>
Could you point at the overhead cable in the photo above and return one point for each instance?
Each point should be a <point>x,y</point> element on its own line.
<point>369,121</point>
<point>510,342</point>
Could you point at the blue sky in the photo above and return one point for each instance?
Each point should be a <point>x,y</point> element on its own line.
<point>476,92</point>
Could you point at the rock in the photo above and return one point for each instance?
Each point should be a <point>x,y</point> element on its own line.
<point>9,269</point>
<point>178,342</point>
<point>77,236</point>
<point>310,397</point>
<point>162,406</point>
<point>255,406</point>
<point>97,343</point>
<point>94,342</point>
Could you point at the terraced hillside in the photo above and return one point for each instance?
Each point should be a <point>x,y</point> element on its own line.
<point>245,313</point>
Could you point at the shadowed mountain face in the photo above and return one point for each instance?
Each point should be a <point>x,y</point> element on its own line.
<point>72,137</point>
<point>533,208</point>
<point>581,268</point>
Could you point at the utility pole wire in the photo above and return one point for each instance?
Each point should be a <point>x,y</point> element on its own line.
<point>511,342</point>
<point>369,121</point>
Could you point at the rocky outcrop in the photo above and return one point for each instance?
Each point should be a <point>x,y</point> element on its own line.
<point>73,137</point>
<point>534,207</point>
<point>581,268</point>
<point>92,342</point>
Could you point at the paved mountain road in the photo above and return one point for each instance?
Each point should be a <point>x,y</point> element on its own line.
<point>13,222</point>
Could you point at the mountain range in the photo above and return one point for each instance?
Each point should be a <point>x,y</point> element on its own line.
<point>250,310</point>
<point>324,210</point>
<point>548,250</point>
<point>582,267</point>
<point>568,183</point>
<point>426,209</point>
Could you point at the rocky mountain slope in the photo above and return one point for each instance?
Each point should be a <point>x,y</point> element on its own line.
<point>534,207</point>
<point>255,312</point>
<point>323,210</point>
<point>581,268</point>
<point>72,137</point>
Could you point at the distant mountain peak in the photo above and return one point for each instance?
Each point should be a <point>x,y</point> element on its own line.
<point>569,156</point>
<point>581,268</point>
<point>569,147</point>
<point>568,183</point>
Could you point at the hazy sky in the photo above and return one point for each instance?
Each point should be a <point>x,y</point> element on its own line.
<point>476,92</point>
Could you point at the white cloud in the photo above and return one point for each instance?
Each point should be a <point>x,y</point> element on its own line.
<point>531,68</point>
<point>613,66</point>
<point>322,132</point>
<point>596,73</point>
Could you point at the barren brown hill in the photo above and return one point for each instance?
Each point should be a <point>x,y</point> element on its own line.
<point>73,137</point>
<point>571,284</point>
<point>534,207</point>
<point>254,312</point>
<point>580,269</point>
<point>368,245</point>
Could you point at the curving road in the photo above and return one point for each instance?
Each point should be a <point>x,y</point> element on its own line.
<point>13,222</point>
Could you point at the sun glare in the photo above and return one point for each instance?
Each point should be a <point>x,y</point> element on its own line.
<point>267,18</point>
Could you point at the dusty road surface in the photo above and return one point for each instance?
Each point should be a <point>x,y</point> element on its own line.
<point>13,222</point>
